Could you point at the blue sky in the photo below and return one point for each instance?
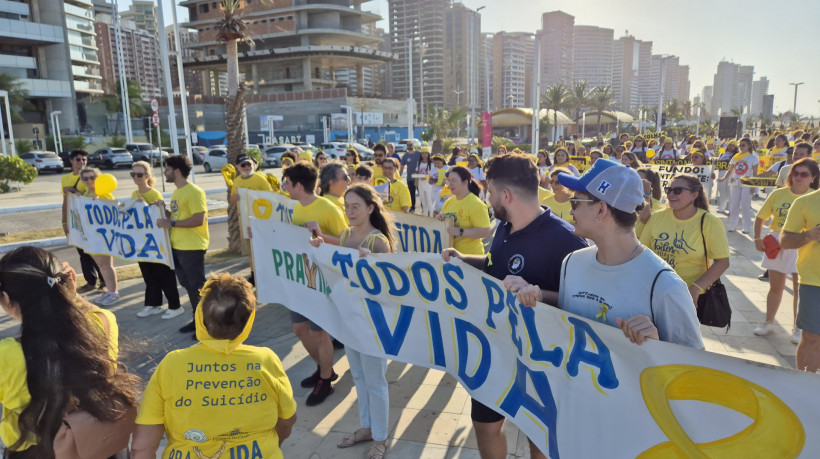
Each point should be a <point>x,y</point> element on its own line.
<point>780,39</point>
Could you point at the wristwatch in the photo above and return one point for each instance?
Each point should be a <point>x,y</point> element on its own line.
<point>173,223</point>
<point>461,232</point>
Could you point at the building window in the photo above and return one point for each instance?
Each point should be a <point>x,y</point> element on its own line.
<point>203,8</point>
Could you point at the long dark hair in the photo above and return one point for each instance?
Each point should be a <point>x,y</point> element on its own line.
<point>654,180</point>
<point>694,184</point>
<point>379,217</point>
<point>67,359</point>
<point>465,175</point>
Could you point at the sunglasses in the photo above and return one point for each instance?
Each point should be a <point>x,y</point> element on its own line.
<point>89,179</point>
<point>801,174</point>
<point>573,202</point>
<point>81,158</point>
<point>246,165</point>
<point>138,174</point>
<point>676,190</point>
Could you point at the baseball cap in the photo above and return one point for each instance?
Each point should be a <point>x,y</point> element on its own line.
<point>244,157</point>
<point>615,184</point>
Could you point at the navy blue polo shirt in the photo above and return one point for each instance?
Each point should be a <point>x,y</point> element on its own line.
<point>534,252</point>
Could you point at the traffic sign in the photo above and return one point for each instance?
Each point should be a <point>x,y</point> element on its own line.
<point>155,119</point>
<point>154,105</point>
<point>35,131</point>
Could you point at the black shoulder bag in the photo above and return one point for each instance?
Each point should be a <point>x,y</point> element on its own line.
<point>713,304</point>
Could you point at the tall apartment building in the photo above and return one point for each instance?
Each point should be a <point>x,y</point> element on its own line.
<point>187,37</point>
<point>706,99</point>
<point>626,71</point>
<point>139,55</point>
<point>462,37</point>
<point>299,46</point>
<point>486,72</point>
<point>556,48</point>
<point>732,87</point>
<point>759,89</point>
<point>671,77</point>
<point>385,72</point>
<point>645,81</point>
<point>49,46</point>
<point>592,55</point>
<point>419,24</point>
<point>103,7</point>
<point>513,56</point>
<point>683,83</point>
<point>144,15</point>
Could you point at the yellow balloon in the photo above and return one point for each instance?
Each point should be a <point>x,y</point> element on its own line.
<point>650,153</point>
<point>105,183</point>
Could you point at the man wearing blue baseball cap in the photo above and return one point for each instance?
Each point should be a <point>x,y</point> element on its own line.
<point>618,281</point>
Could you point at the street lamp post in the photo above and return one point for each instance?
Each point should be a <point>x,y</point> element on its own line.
<point>5,95</point>
<point>536,95</point>
<point>349,109</point>
<point>410,104</point>
<point>473,73</point>
<point>422,48</point>
<point>794,108</point>
<point>458,105</point>
<point>659,120</point>
<point>125,101</point>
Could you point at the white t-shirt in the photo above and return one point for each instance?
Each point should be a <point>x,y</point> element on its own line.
<point>478,174</point>
<point>744,167</point>
<point>783,175</point>
<point>668,154</point>
<point>604,293</point>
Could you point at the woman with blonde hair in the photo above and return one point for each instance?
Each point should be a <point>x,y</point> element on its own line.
<point>369,232</point>
<point>158,278</point>
<point>89,177</point>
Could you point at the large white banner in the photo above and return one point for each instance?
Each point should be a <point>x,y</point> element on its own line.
<point>264,205</point>
<point>576,387</point>
<point>416,233</point>
<point>668,171</point>
<point>128,231</point>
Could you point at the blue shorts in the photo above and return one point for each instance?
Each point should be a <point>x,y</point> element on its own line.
<point>808,308</point>
<point>296,318</point>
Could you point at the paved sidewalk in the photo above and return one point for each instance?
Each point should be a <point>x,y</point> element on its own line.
<point>429,415</point>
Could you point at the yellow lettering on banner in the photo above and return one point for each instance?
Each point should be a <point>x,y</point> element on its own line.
<point>775,429</point>
<point>262,208</point>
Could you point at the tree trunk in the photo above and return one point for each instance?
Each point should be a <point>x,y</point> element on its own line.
<point>235,121</point>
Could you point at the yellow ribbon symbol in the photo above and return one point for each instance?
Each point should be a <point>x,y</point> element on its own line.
<point>602,315</point>
<point>775,431</point>
<point>262,208</point>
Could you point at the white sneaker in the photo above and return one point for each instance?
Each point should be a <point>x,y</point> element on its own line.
<point>171,313</point>
<point>764,329</point>
<point>108,299</point>
<point>796,334</point>
<point>149,311</point>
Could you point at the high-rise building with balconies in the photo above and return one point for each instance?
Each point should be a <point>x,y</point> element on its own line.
<point>144,15</point>
<point>298,44</point>
<point>592,51</point>
<point>557,39</point>
<point>49,47</point>
<point>140,50</point>
<point>513,56</point>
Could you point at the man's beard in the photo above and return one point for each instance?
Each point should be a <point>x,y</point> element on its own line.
<point>501,213</point>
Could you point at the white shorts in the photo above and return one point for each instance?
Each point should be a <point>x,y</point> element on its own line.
<point>785,262</point>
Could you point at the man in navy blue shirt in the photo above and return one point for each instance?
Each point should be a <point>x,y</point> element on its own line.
<point>527,251</point>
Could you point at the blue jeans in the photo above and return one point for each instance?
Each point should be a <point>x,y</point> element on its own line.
<point>371,386</point>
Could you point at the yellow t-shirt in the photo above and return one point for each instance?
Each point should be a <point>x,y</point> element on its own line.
<point>330,219</point>
<point>339,202</point>
<point>369,241</point>
<point>468,212</point>
<point>543,194</point>
<point>680,243</point>
<point>559,209</point>
<point>777,207</point>
<point>88,194</point>
<point>255,181</point>
<point>657,206</point>
<point>803,216</point>
<point>71,180</point>
<point>399,196</point>
<point>377,173</point>
<point>149,196</point>
<point>14,394</point>
<point>306,155</point>
<point>210,401</point>
<point>185,202</point>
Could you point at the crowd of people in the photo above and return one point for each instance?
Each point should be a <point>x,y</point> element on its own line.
<point>544,224</point>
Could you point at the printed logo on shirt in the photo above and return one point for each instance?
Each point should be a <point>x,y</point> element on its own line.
<point>602,307</point>
<point>174,206</point>
<point>783,211</point>
<point>604,186</point>
<point>195,435</point>
<point>516,264</point>
<point>741,168</point>
<point>667,249</point>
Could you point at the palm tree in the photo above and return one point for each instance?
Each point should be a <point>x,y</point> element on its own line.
<point>579,97</point>
<point>113,103</point>
<point>18,97</point>
<point>441,121</point>
<point>556,98</point>
<point>232,29</point>
<point>601,99</point>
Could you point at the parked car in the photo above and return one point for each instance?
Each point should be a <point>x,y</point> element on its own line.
<point>307,146</point>
<point>146,152</point>
<point>198,153</point>
<point>337,150</point>
<point>43,160</point>
<point>214,159</point>
<point>110,158</point>
<point>272,155</point>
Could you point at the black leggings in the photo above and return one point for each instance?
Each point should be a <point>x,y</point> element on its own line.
<point>159,279</point>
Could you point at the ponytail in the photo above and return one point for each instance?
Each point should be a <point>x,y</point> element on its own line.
<point>465,175</point>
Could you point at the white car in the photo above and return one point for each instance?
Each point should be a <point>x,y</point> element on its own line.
<point>215,159</point>
<point>43,161</point>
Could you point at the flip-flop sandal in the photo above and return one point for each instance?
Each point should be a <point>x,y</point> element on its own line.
<point>356,437</point>
<point>378,450</point>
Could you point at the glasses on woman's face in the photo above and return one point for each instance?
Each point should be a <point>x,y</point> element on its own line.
<point>137,174</point>
<point>676,190</point>
<point>573,202</point>
<point>89,179</point>
<point>804,174</point>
